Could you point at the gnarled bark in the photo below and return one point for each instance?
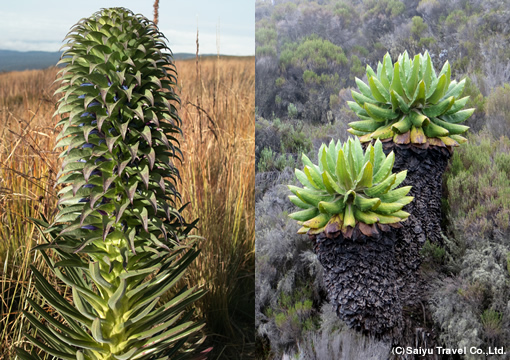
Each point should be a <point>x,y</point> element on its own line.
<point>361,280</point>
<point>374,282</point>
<point>425,169</point>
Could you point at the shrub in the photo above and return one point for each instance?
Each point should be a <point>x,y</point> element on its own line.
<point>492,322</point>
<point>334,101</point>
<point>313,52</point>
<point>471,307</point>
<point>433,251</point>
<point>265,50</point>
<point>288,276</point>
<point>292,111</point>
<point>270,161</point>
<point>266,36</point>
<point>389,8</point>
<point>497,110</point>
<point>479,187</point>
<point>280,81</point>
<point>418,27</point>
<point>455,19</point>
<point>356,67</point>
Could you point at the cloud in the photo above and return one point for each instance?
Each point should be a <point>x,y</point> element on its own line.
<point>41,29</point>
<point>21,45</point>
<point>25,34</point>
<point>185,41</point>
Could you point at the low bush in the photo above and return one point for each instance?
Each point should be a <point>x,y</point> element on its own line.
<point>288,284</point>
<point>471,304</point>
<point>498,111</point>
<point>479,187</point>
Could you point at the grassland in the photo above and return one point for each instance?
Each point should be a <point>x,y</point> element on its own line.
<point>218,105</point>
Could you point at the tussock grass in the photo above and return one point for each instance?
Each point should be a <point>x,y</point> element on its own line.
<point>217,174</point>
<point>27,175</point>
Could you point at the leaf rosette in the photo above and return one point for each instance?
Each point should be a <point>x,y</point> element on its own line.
<point>408,103</point>
<point>349,189</point>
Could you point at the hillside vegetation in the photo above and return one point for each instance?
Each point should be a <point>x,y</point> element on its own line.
<point>307,57</point>
<point>217,173</point>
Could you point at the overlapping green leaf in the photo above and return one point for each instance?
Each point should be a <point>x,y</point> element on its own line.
<point>399,91</point>
<point>355,191</point>
<point>119,237</point>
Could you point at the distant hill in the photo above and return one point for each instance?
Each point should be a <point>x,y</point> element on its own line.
<point>11,60</point>
<point>17,60</point>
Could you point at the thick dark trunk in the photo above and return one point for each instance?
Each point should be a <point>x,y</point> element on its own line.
<point>425,169</point>
<point>374,283</point>
<point>361,280</point>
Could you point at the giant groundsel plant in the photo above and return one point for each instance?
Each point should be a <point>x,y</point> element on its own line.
<point>119,237</point>
<point>409,103</point>
<point>352,202</point>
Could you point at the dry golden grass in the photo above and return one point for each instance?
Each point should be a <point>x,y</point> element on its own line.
<point>27,175</point>
<point>218,180</point>
<point>217,173</point>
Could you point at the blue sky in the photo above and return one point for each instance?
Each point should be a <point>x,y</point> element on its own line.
<point>41,25</point>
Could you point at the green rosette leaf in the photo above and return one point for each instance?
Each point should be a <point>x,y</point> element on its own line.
<point>357,191</point>
<point>410,90</point>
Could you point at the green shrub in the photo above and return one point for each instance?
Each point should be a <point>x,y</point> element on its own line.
<point>390,8</point>
<point>334,101</point>
<point>497,110</point>
<point>271,161</point>
<point>456,18</point>
<point>310,78</point>
<point>265,50</point>
<point>427,41</point>
<point>294,312</point>
<point>476,98</point>
<point>418,27</point>
<point>293,138</point>
<point>266,36</point>
<point>280,81</point>
<point>433,251</point>
<point>479,186</point>
<point>292,111</point>
<point>283,10</point>
<point>492,321</point>
<point>357,68</point>
<point>345,11</point>
<point>313,52</point>
<point>361,50</point>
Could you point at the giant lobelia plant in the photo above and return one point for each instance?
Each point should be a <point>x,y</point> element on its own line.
<point>352,205</point>
<point>119,238</point>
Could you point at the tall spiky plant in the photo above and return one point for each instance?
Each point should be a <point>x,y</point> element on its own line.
<point>119,236</point>
<point>352,207</point>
